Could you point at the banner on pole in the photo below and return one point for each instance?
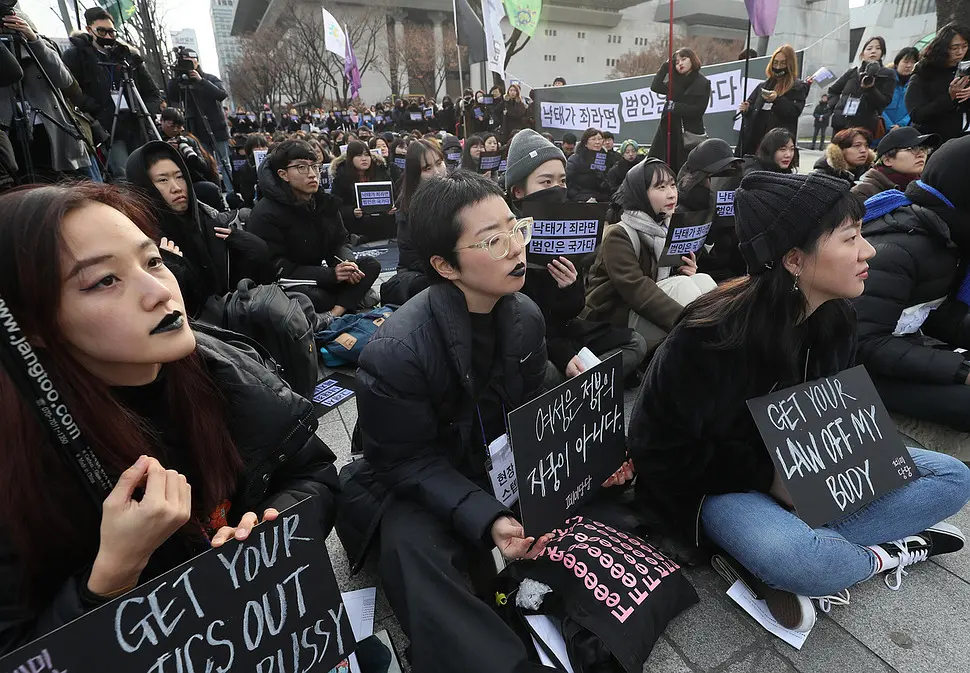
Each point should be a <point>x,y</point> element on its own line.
<point>333,35</point>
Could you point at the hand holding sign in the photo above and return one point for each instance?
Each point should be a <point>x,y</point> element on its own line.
<point>248,521</point>
<point>563,272</point>
<point>690,265</point>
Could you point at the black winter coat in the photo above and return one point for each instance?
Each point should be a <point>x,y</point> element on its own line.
<point>872,100</point>
<point>617,173</point>
<point>514,115</point>
<point>688,103</point>
<point>582,182</point>
<point>821,115</point>
<point>342,188</point>
<point>299,235</point>
<point>687,445</point>
<point>97,81</point>
<point>762,116</point>
<point>284,462</point>
<point>931,109</point>
<point>447,119</point>
<point>201,99</point>
<point>417,415</point>
<point>916,262</point>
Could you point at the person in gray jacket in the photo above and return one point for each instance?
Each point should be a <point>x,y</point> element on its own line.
<point>53,143</point>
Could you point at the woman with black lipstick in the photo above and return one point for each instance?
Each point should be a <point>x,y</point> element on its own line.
<point>210,439</point>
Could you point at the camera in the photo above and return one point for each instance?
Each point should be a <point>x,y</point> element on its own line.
<point>963,69</point>
<point>183,63</point>
<point>6,7</point>
<point>868,73</point>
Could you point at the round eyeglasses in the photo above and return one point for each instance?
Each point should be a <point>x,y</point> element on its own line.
<point>499,245</point>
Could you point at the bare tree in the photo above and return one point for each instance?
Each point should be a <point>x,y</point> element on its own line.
<point>256,77</point>
<point>648,61</point>
<point>426,67</point>
<point>952,11</point>
<point>147,29</point>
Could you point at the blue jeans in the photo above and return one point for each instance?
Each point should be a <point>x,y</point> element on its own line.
<point>225,167</point>
<point>785,553</point>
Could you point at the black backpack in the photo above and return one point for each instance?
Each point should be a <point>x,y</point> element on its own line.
<point>282,323</point>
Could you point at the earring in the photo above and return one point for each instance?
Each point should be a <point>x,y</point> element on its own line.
<point>794,287</point>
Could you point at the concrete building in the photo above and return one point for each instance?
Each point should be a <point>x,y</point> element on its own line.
<point>581,40</point>
<point>903,23</point>
<point>227,47</point>
<point>185,38</point>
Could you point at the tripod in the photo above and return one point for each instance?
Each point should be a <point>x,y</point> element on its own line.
<point>24,114</point>
<point>128,94</point>
<point>187,93</point>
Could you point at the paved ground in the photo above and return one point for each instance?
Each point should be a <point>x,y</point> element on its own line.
<point>923,627</point>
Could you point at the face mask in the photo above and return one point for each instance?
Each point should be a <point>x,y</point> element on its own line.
<point>548,195</point>
<point>105,41</point>
<point>779,71</point>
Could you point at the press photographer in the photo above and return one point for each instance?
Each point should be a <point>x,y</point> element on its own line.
<point>100,63</point>
<point>200,95</point>
<point>863,92</point>
<point>45,142</point>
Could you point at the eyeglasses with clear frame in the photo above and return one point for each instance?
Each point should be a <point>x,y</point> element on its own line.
<point>498,245</point>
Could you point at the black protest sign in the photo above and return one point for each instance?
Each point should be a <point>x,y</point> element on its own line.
<point>326,184</point>
<point>686,233</point>
<point>564,229</point>
<point>374,198</point>
<point>453,156</point>
<point>489,161</point>
<point>599,162</point>
<point>269,604</point>
<point>566,443</point>
<point>833,444</point>
<point>415,116</point>
<point>332,392</point>
<point>429,113</point>
<point>722,195</point>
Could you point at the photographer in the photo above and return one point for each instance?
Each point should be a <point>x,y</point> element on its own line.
<point>938,97</point>
<point>97,60</point>
<point>46,137</point>
<point>200,95</point>
<point>863,92</point>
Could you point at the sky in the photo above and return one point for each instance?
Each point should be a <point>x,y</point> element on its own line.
<point>177,14</point>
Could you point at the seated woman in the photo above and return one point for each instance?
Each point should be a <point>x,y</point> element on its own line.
<point>705,473</point>
<point>203,431</point>
<point>586,170</point>
<point>900,158</point>
<point>424,161</point>
<point>627,286</point>
<point>471,153</point>
<point>356,166</point>
<point>629,157</point>
<point>777,153</point>
<point>848,155</point>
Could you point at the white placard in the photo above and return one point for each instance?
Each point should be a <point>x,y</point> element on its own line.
<point>581,116</point>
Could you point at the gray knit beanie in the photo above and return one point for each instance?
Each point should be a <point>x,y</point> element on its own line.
<point>527,151</point>
<point>775,212</point>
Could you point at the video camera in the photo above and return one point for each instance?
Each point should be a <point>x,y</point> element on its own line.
<point>963,69</point>
<point>868,73</point>
<point>183,64</point>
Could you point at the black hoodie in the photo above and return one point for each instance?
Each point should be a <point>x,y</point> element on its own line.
<point>299,235</point>
<point>209,266</point>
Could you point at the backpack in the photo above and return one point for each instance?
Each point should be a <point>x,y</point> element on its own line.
<point>281,323</point>
<point>346,337</point>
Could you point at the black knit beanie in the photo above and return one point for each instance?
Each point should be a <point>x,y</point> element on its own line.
<point>775,212</point>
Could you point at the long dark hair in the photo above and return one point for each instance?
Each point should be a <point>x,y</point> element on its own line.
<point>937,52</point>
<point>773,141</point>
<point>356,148</point>
<point>760,314</point>
<point>46,513</point>
<point>413,167</point>
<point>469,162</point>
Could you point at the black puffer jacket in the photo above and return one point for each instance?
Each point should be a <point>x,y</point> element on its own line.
<point>96,81</point>
<point>299,235</point>
<point>201,99</point>
<point>583,182</point>
<point>417,415</point>
<point>916,261</point>
<point>783,112</point>
<point>687,445</point>
<point>284,462</point>
<point>931,109</point>
<point>872,101</point>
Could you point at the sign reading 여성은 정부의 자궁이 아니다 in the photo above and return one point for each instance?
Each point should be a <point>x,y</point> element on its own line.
<point>374,198</point>
<point>268,604</point>
<point>686,233</point>
<point>571,230</point>
<point>833,444</point>
<point>566,443</point>
<point>629,108</point>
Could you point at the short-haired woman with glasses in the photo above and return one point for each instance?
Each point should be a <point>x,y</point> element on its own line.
<point>301,225</point>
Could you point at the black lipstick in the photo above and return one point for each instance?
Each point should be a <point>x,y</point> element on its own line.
<point>169,323</point>
<point>518,271</point>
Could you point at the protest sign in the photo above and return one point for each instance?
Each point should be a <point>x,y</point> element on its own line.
<point>685,234</point>
<point>415,116</point>
<point>239,163</point>
<point>833,444</point>
<point>429,113</point>
<point>489,161</point>
<point>629,108</point>
<point>258,156</point>
<point>566,443</point>
<point>568,229</point>
<point>400,161</point>
<point>267,604</point>
<point>488,100</point>
<point>599,161</point>
<point>453,156</point>
<point>722,193</point>
<point>332,392</point>
<point>326,184</point>
<point>374,198</point>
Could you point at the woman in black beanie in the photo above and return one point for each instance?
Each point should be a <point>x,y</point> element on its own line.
<point>705,473</point>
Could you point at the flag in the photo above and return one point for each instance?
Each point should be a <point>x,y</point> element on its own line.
<point>763,15</point>
<point>524,14</point>
<point>351,72</point>
<point>493,11</point>
<point>120,10</point>
<point>469,31</point>
<point>335,39</point>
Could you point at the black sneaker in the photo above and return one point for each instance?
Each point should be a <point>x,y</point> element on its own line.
<point>945,538</point>
<point>940,538</point>
<point>790,610</point>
